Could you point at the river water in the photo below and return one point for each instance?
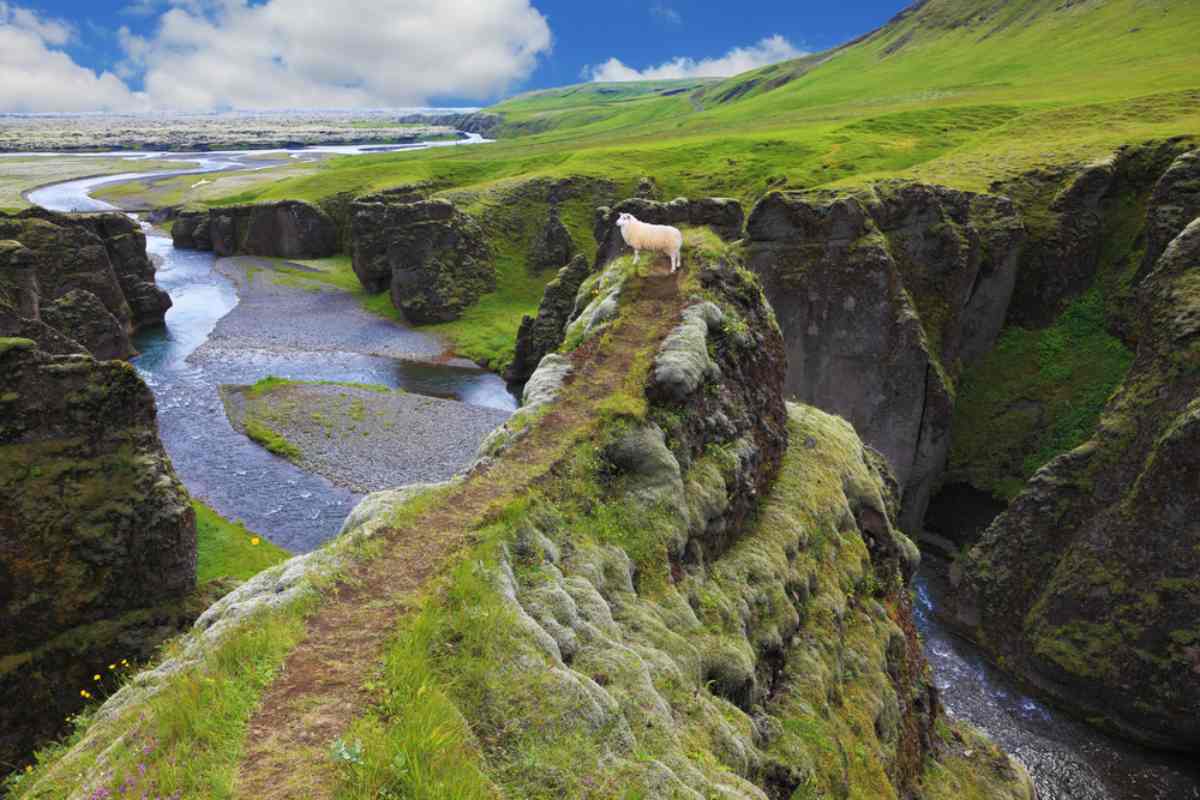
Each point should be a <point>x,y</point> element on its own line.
<point>299,510</point>
<point>296,509</point>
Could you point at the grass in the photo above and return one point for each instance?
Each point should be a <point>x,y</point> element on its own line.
<point>959,104</point>
<point>227,549</point>
<point>1037,394</point>
<point>19,175</point>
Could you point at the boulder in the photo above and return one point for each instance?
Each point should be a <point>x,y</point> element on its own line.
<point>882,295</point>
<point>432,257</point>
<point>553,246</point>
<point>545,333</point>
<point>724,216</point>
<point>1086,586</point>
<point>97,536</point>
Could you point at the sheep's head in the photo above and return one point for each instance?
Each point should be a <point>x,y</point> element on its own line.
<point>625,219</point>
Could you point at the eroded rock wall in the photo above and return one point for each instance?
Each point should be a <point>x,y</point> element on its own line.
<point>97,535</point>
<point>1086,586</point>
<point>882,296</point>
<point>432,257</point>
<point>284,229</point>
<point>77,278</point>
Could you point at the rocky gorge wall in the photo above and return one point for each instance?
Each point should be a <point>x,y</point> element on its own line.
<point>1086,585</point>
<point>284,229</point>
<point>97,536</point>
<point>882,296</point>
<point>87,276</point>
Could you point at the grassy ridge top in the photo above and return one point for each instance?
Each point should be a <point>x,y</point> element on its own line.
<point>961,92</point>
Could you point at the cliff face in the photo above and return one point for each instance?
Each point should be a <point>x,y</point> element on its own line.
<point>97,537</point>
<point>1086,586</point>
<point>670,584</point>
<point>882,296</point>
<point>86,276</point>
<point>286,229</point>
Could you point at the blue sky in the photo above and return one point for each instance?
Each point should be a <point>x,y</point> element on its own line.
<point>139,54</point>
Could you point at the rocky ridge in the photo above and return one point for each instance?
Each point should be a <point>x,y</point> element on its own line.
<point>706,590</point>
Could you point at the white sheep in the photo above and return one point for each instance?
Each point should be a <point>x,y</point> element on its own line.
<point>655,238</point>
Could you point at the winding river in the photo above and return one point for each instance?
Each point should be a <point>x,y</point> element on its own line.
<point>298,510</point>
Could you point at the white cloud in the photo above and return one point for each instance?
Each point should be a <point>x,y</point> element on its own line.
<point>214,54</point>
<point>36,76</point>
<point>305,53</point>
<point>740,59</point>
<point>666,14</point>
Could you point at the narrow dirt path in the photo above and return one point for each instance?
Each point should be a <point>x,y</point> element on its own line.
<point>320,690</point>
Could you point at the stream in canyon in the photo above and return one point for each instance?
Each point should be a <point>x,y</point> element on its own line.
<point>300,510</point>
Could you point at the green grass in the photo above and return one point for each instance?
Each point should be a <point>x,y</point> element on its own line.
<point>227,549</point>
<point>1037,394</point>
<point>271,439</point>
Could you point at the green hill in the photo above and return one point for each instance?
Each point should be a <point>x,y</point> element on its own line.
<point>960,92</point>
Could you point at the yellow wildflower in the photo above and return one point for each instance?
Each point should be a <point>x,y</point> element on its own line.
<point>112,666</point>
<point>124,663</point>
<point>96,677</point>
<point>29,767</point>
<point>254,540</point>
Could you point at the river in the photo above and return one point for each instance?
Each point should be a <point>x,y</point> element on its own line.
<point>298,510</point>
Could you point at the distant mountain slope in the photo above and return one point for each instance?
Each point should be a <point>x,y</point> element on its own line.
<point>936,51</point>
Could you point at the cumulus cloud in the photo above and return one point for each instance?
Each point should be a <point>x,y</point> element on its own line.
<point>766,51</point>
<point>35,75</point>
<point>218,54</point>
<point>305,53</point>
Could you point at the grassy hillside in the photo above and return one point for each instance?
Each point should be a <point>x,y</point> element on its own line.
<point>959,92</point>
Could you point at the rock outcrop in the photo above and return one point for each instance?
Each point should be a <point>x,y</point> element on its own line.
<point>80,316</point>
<point>724,216</point>
<point>1087,585</point>
<point>432,257</point>
<point>882,296</point>
<point>97,536</point>
<point>125,243</point>
<point>553,246</point>
<point>283,229</point>
<point>543,334</point>
<point>87,274</point>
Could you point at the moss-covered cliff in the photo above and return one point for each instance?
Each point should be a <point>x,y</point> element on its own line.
<point>1086,586</point>
<point>658,581</point>
<point>97,538</point>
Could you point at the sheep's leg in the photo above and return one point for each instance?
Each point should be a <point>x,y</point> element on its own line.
<point>636,255</point>
<point>674,260</point>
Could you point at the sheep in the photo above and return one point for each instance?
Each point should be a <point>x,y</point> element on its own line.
<point>655,238</point>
